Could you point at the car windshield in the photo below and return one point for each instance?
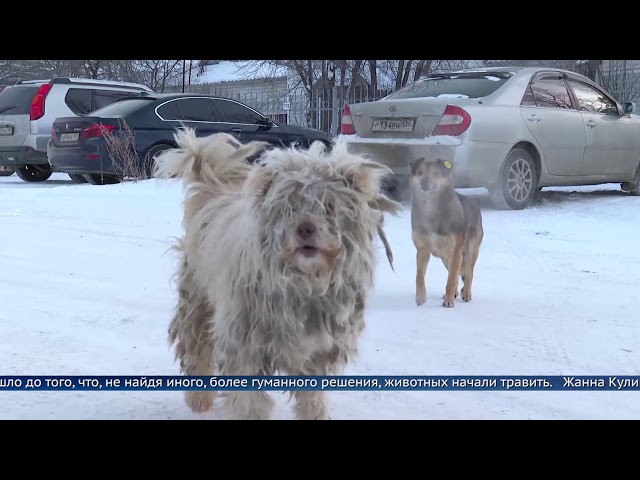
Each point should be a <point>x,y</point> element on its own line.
<point>17,100</point>
<point>122,108</point>
<point>454,85</point>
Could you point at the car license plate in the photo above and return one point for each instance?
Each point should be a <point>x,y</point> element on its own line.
<point>69,137</point>
<point>392,125</point>
<point>6,130</point>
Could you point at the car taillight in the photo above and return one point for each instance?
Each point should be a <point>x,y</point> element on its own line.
<point>37,103</point>
<point>54,134</point>
<point>346,126</point>
<point>455,121</point>
<point>95,131</point>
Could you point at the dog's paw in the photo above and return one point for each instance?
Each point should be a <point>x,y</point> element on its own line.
<point>421,297</point>
<point>466,296</point>
<point>456,295</point>
<point>448,303</point>
<point>198,401</point>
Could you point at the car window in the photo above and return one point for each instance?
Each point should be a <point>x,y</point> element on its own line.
<point>79,100</point>
<point>591,100</point>
<point>170,111</point>
<point>122,108</point>
<point>233,112</point>
<point>527,98</point>
<point>102,98</point>
<point>466,85</point>
<point>551,92</point>
<point>196,110</point>
<point>16,100</point>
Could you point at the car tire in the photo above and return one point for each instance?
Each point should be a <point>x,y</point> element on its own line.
<point>149,157</point>
<point>101,179</point>
<point>633,188</point>
<point>34,173</point>
<point>6,173</point>
<point>517,182</point>
<point>77,177</point>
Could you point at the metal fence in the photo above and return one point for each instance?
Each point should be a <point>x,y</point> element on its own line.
<point>321,110</point>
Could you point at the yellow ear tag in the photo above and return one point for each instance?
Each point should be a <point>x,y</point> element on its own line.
<point>448,164</point>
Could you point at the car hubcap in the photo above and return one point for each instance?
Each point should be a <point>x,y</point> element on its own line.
<point>520,180</point>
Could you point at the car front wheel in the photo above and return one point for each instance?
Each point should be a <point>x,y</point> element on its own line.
<point>517,182</point>
<point>633,187</point>
<point>77,177</point>
<point>100,179</point>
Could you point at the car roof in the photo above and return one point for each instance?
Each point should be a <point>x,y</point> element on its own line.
<point>172,95</point>
<point>509,69</point>
<point>84,81</point>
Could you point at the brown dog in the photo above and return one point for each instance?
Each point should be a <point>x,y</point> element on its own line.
<point>444,224</point>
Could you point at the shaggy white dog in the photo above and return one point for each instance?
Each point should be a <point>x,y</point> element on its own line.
<point>277,261</point>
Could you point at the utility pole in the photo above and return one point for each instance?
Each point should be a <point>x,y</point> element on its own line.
<point>184,71</point>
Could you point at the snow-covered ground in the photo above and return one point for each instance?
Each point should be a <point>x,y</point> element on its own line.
<point>85,290</point>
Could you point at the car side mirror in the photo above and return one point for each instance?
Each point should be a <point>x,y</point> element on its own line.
<point>267,123</point>
<point>627,107</point>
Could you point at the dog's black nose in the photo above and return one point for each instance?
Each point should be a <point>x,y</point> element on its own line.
<point>424,184</point>
<point>306,230</point>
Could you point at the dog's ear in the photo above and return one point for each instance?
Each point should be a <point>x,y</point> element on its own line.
<point>445,165</point>
<point>385,204</point>
<point>364,177</point>
<point>259,181</point>
<point>414,164</point>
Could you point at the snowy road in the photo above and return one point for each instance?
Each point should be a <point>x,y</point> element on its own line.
<point>85,290</point>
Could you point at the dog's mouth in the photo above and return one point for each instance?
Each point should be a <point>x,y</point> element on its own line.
<point>426,185</point>
<point>308,250</point>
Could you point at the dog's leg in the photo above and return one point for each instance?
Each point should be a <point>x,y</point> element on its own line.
<point>445,262</point>
<point>190,329</point>
<point>468,266</point>
<point>454,272</point>
<point>252,405</point>
<point>311,405</point>
<point>244,405</point>
<point>423,254</point>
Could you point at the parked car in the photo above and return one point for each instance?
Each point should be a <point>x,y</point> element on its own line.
<point>519,129</point>
<point>4,170</point>
<point>28,109</point>
<point>79,146</point>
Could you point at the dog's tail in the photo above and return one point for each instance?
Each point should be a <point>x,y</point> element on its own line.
<point>387,247</point>
<point>213,160</point>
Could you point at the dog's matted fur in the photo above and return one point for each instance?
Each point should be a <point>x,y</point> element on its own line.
<point>444,224</point>
<point>276,263</point>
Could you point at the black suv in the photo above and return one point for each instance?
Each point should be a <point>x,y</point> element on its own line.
<point>78,145</point>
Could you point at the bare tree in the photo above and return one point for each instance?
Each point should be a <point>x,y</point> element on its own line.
<point>13,70</point>
<point>160,74</point>
<point>621,79</point>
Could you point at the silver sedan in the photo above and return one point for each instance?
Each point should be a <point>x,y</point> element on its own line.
<point>510,130</point>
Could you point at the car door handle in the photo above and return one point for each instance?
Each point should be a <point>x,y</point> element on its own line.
<point>534,118</point>
<point>591,124</point>
<point>236,130</point>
